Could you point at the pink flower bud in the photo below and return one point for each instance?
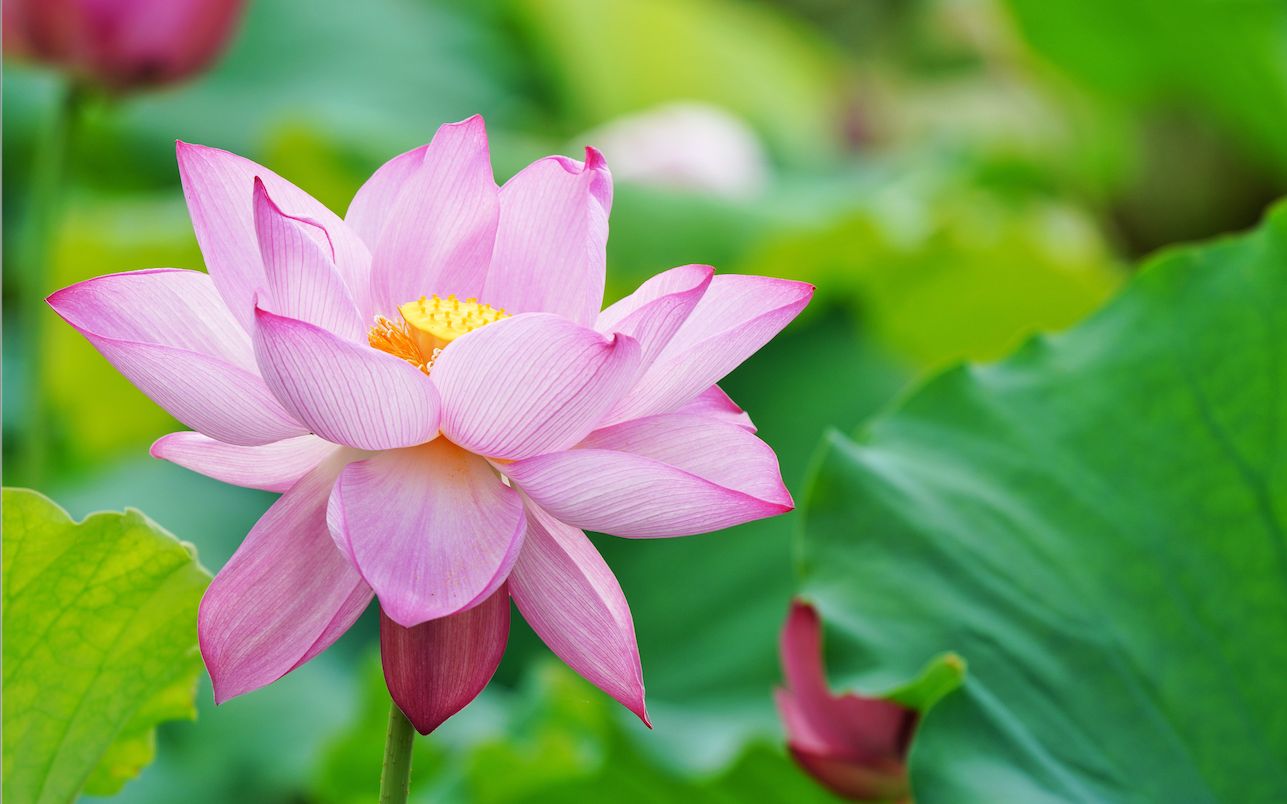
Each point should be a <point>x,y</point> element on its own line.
<point>854,746</point>
<point>121,45</point>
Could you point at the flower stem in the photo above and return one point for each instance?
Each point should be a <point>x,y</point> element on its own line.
<point>32,279</point>
<point>395,776</point>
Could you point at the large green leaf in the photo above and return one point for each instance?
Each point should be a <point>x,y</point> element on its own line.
<point>1096,526</point>
<point>99,646</point>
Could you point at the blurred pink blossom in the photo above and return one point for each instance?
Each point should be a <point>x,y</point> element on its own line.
<point>855,746</point>
<point>433,450</point>
<point>686,146</point>
<point>121,45</point>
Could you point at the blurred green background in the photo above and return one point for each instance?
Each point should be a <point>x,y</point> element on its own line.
<point>952,174</point>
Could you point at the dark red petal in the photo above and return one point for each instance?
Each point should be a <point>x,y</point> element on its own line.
<point>838,725</point>
<point>886,781</point>
<point>436,668</point>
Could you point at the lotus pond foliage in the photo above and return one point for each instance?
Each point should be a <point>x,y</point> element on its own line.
<point>356,401</point>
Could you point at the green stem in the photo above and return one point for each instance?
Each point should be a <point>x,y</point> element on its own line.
<point>33,277</point>
<point>395,776</point>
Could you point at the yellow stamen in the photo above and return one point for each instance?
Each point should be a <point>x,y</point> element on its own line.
<point>428,325</point>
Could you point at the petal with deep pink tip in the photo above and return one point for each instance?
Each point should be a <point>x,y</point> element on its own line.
<point>530,384</point>
<point>299,268</point>
<point>713,402</point>
<point>855,745</point>
<point>168,333</point>
<point>735,317</point>
<point>271,467</point>
<point>669,475</point>
<point>219,188</point>
<point>283,596</point>
<point>654,312</point>
<point>166,306</point>
<point>570,597</point>
<point>441,225</point>
<point>433,670</point>
<point>432,529</point>
<point>551,241</point>
<point>847,726</point>
<point>344,392</point>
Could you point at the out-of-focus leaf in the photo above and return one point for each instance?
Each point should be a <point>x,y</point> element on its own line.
<point>1095,525</point>
<point>942,270</point>
<point>612,58</point>
<point>938,267</point>
<point>554,739</point>
<point>100,645</point>
<point>385,73</point>
<point>96,413</point>
<point>566,745</point>
<point>1226,59</point>
<point>348,770</point>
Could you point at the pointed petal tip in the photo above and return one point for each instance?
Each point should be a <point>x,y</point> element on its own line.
<point>640,710</point>
<point>221,693</point>
<point>594,159</point>
<point>53,298</point>
<point>183,148</point>
<point>472,124</point>
<point>424,726</point>
<point>157,447</point>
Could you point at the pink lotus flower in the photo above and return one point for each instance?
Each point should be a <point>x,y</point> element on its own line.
<point>121,44</point>
<point>456,462</point>
<point>855,746</point>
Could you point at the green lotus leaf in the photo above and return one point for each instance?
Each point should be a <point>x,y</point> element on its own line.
<point>99,646</point>
<point>1096,526</point>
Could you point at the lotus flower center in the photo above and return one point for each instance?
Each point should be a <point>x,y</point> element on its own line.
<point>428,325</point>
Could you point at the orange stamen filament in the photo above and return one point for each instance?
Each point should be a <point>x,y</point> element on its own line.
<point>428,325</point>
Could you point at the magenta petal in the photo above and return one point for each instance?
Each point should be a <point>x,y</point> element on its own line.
<point>435,669</point>
<point>735,317</point>
<point>167,332</point>
<point>432,529</point>
<point>346,393</point>
<point>271,467</point>
<point>654,312</point>
<point>551,242</point>
<point>530,384</point>
<point>713,402</point>
<point>299,266</point>
<point>884,781</point>
<point>838,725</point>
<point>570,597</point>
<point>441,225</point>
<point>854,745</point>
<point>283,597</point>
<point>219,188</point>
<point>670,475</point>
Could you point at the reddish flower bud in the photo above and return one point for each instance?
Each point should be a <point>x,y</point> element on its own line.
<point>854,746</point>
<point>435,669</point>
<point>121,45</point>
